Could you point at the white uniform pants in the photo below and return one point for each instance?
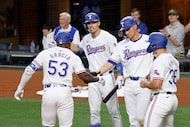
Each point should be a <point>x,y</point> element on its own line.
<point>137,100</point>
<point>161,111</point>
<point>57,101</point>
<point>96,91</point>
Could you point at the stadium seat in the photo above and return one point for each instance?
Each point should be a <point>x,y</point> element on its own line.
<point>24,48</point>
<point>5,46</point>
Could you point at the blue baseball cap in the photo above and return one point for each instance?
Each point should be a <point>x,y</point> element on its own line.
<point>91,17</point>
<point>62,38</point>
<point>127,22</point>
<point>157,41</point>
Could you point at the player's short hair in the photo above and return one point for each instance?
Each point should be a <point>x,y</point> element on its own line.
<point>66,14</point>
<point>48,26</point>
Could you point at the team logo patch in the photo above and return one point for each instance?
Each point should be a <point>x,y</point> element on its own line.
<point>90,16</point>
<point>156,72</point>
<point>122,24</point>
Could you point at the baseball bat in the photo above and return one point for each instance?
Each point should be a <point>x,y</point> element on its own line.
<point>110,94</point>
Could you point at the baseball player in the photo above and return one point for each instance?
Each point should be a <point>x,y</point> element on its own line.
<point>58,64</point>
<point>164,75</point>
<point>98,46</point>
<point>136,61</point>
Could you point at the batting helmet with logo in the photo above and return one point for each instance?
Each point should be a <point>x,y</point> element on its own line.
<point>63,38</point>
<point>157,41</point>
<point>127,22</point>
<point>91,17</point>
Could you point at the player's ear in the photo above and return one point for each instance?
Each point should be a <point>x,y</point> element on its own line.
<point>99,23</point>
<point>50,30</point>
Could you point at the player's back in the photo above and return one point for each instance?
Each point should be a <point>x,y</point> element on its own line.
<point>58,65</point>
<point>169,71</point>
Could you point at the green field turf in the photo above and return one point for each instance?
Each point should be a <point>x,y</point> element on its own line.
<point>26,113</point>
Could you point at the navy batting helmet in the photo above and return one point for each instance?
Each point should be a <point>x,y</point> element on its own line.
<point>127,22</point>
<point>157,41</point>
<point>91,17</point>
<point>62,38</point>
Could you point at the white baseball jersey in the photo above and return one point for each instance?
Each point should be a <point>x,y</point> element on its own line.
<point>99,49</point>
<point>160,112</point>
<point>48,41</point>
<point>134,57</point>
<point>58,65</point>
<point>166,68</point>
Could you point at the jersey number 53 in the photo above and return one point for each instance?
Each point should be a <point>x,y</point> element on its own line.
<point>53,68</point>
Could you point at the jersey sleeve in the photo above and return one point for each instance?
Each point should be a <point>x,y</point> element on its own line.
<point>158,71</point>
<point>113,43</point>
<point>81,44</point>
<point>180,36</point>
<point>76,38</point>
<point>78,65</point>
<point>115,57</point>
<point>38,61</point>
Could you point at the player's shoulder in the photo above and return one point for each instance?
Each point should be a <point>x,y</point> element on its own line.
<point>122,42</point>
<point>145,38</point>
<point>143,23</point>
<point>86,36</point>
<point>106,33</point>
<point>166,57</point>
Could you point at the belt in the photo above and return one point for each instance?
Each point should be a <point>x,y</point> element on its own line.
<point>162,92</point>
<point>55,85</point>
<point>134,78</point>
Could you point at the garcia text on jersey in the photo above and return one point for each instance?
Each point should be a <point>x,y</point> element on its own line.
<point>60,53</point>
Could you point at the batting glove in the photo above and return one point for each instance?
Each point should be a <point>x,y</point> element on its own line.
<point>119,81</point>
<point>19,93</point>
<point>101,80</point>
<point>94,73</point>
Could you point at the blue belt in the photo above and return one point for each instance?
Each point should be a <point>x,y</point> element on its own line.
<point>134,78</point>
<point>162,92</point>
<point>55,85</point>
